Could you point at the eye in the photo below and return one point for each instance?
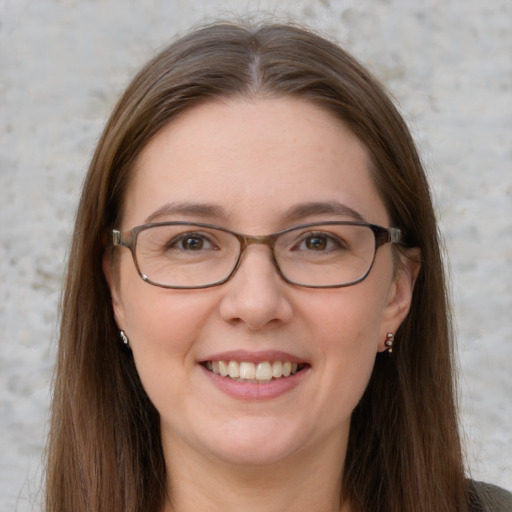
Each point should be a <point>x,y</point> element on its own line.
<point>316,243</point>
<point>191,242</point>
<point>320,242</point>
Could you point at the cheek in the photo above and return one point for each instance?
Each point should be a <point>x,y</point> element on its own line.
<point>346,331</point>
<point>162,325</point>
<point>349,344</point>
<point>164,330</point>
<point>349,319</point>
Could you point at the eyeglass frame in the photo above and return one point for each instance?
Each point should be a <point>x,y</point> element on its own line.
<point>128,239</point>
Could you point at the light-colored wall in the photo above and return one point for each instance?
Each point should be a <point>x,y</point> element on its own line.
<point>64,62</point>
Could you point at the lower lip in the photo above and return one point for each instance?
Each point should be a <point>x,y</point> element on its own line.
<point>251,391</point>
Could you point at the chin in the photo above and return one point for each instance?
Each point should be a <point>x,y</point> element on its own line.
<point>259,444</point>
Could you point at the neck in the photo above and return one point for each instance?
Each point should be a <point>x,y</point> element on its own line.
<point>301,483</point>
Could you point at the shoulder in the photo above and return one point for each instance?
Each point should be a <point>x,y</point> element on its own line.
<point>489,498</point>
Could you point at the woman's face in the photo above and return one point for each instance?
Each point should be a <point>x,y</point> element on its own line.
<point>256,167</point>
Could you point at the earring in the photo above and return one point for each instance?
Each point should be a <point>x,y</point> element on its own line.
<point>390,338</point>
<point>124,338</point>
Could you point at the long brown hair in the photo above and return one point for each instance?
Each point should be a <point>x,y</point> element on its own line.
<point>104,451</point>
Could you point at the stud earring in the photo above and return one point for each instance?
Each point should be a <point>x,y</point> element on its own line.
<point>390,338</point>
<point>124,338</point>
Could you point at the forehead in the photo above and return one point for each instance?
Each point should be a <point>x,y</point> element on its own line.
<point>253,159</point>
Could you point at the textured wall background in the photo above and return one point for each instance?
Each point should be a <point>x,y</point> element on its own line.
<point>63,64</point>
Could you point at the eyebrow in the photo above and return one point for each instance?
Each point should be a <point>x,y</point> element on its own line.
<point>187,209</point>
<point>300,211</point>
<point>293,214</point>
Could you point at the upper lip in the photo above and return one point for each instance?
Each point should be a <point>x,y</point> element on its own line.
<point>254,357</point>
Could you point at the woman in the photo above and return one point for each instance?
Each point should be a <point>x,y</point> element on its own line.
<point>255,313</point>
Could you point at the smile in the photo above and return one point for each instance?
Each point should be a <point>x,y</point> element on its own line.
<point>245,371</point>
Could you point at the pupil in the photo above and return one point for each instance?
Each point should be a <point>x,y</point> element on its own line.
<point>193,243</point>
<point>316,243</point>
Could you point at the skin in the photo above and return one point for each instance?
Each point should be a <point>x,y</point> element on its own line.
<point>256,159</point>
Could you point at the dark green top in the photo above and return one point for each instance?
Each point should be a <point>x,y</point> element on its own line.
<point>489,498</point>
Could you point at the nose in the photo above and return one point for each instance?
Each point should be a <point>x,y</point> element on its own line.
<point>255,295</point>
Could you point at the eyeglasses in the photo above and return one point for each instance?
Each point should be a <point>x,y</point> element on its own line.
<point>196,255</point>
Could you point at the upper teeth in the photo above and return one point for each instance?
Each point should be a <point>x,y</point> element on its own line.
<point>250,371</point>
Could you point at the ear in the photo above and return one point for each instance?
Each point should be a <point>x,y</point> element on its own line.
<point>113,283</point>
<point>400,293</point>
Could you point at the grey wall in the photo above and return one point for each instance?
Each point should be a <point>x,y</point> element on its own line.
<point>64,62</point>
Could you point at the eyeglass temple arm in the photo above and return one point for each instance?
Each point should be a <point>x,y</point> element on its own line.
<point>117,239</point>
<point>394,235</point>
<point>387,235</point>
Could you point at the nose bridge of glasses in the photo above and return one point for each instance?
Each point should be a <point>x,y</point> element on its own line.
<point>247,240</point>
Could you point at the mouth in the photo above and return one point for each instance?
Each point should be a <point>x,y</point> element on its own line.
<point>249,372</point>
